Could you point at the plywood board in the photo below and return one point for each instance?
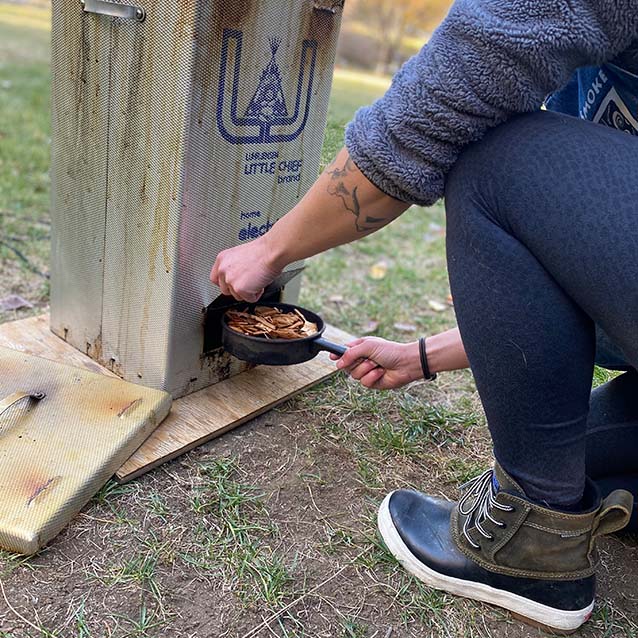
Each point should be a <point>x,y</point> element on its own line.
<point>198,417</point>
<point>32,336</point>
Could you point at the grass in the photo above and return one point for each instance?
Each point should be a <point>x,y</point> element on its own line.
<point>239,534</point>
<point>24,152</point>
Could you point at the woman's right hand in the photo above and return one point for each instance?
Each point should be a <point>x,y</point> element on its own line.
<point>380,364</point>
<point>245,270</point>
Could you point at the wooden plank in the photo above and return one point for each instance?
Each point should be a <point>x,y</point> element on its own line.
<point>196,418</point>
<point>33,336</point>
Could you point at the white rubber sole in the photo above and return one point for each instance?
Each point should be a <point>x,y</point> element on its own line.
<point>556,619</point>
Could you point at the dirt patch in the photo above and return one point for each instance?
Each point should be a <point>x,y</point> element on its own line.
<point>132,563</point>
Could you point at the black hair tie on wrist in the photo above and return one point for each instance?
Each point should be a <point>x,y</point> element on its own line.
<point>424,361</point>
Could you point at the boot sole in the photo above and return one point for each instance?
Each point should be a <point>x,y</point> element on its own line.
<point>557,621</point>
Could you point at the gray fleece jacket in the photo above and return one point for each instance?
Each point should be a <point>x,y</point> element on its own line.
<point>487,61</point>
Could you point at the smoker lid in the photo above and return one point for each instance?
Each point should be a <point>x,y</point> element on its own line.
<point>64,431</point>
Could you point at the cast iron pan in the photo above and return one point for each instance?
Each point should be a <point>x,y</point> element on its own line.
<point>278,352</point>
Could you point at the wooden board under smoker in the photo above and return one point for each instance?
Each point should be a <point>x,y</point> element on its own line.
<point>197,417</point>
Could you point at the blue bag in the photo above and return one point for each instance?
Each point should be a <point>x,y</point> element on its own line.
<point>607,95</point>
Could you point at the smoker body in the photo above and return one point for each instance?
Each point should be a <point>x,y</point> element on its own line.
<point>178,130</point>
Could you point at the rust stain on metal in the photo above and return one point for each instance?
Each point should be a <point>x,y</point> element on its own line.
<point>128,407</point>
<point>152,100</point>
<point>40,488</point>
<point>332,6</point>
<point>323,27</point>
<point>95,350</point>
<point>237,13</point>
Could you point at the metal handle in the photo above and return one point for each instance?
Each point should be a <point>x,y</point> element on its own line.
<point>105,8</point>
<point>335,348</point>
<point>14,398</point>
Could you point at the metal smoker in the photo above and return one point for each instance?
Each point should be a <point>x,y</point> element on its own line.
<point>179,129</point>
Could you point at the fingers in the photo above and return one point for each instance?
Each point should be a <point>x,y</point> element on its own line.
<point>214,273</point>
<point>373,378</point>
<point>362,369</point>
<point>251,297</point>
<point>350,344</point>
<point>229,291</point>
<point>359,351</point>
<point>223,286</point>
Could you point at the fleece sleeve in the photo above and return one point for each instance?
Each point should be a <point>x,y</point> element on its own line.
<point>487,61</point>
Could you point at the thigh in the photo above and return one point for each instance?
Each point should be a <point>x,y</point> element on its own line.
<point>568,190</point>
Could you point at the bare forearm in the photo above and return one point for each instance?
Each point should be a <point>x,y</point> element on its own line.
<point>445,351</point>
<point>384,365</point>
<point>341,206</point>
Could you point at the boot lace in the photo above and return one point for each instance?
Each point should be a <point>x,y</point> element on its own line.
<point>479,499</point>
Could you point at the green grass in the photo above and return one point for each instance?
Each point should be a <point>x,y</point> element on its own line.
<point>108,496</point>
<point>239,534</point>
<point>350,90</point>
<point>24,151</point>
<point>610,623</point>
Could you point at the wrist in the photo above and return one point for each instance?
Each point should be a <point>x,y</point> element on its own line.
<point>436,349</point>
<point>413,368</point>
<point>274,251</point>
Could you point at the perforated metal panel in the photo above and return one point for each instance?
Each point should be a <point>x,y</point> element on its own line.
<point>173,139</point>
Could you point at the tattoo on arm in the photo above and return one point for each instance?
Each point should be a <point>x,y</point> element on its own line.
<point>348,195</point>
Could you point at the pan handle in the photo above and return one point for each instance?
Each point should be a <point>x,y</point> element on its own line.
<point>323,344</point>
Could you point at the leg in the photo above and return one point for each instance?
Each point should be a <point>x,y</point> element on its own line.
<point>541,248</point>
<point>612,437</point>
<point>541,244</point>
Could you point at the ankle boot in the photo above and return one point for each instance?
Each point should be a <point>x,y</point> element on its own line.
<point>497,546</point>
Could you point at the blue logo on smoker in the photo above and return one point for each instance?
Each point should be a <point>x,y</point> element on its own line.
<point>252,232</point>
<point>267,109</point>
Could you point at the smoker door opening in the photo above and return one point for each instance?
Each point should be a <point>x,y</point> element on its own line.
<point>215,312</point>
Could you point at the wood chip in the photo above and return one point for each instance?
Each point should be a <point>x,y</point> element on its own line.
<point>271,323</point>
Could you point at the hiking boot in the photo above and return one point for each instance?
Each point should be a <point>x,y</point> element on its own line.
<point>498,547</point>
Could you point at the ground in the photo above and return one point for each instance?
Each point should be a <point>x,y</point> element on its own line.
<point>269,530</point>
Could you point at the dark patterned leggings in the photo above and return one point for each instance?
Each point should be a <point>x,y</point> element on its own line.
<point>542,249</point>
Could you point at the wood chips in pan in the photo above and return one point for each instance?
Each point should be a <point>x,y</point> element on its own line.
<point>271,323</point>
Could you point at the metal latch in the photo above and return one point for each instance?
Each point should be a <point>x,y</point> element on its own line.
<point>14,398</point>
<point>105,8</point>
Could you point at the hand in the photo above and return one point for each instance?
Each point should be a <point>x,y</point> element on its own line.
<point>380,364</point>
<point>244,271</point>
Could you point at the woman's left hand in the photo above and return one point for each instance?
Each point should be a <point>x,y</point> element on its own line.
<point>380,364</point>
